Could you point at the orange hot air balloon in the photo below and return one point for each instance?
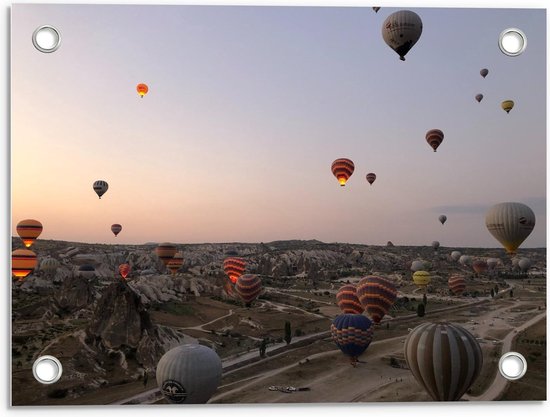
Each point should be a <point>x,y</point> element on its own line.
<point>116,229</point>
<point>124,270</point>
<point>371,177</point>
<point>234,268</point>
<point>142,89</point>
<point>434,138</point>
<point>342,169</point>
<point>347,300</point>
<point>23,262</point>
<point>479,266</point>
<point>165,252</point>
<point>175,263</point>
<point>28,230</point>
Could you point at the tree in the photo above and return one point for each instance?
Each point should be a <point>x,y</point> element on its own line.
<point>263,347</point>
<point>511,293</point>
<point>288,332</point>
<point>424,299</point>
<point>492,293</point>
<point>420,310</point>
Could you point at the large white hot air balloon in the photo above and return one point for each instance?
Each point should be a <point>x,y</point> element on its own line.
<point>510,224</point>
<point>401,30</point>
<point>189,374</point>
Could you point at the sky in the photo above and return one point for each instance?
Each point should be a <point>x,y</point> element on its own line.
<point>248,107</point>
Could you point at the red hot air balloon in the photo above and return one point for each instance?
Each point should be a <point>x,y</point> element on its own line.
<point>377,295</point>
<point>28,230</point>
<point>116,228</point>
<point>479,266</point>
<point>347,300</point>
<point>124,270</point>
<point>142,89</point>
<point>23,262</point>
<point>371,177</point>
<point>248,287</point>
<point>234,268</point>
<point>434,137</point>
<point>457,284</point>
<point>484,72</point>
<point>342,169</point>
<point>165,252</point>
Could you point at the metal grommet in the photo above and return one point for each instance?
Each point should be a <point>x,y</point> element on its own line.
<point>512,42</point>
<point>512,366</point>
<point>47,369</point>
<point>46,39</point>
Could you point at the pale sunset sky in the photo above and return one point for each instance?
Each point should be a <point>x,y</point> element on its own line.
<point>248,107</point>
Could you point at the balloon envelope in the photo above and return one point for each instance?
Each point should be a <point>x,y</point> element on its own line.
<point>484,72</point>
<point>100,187</point>
<point>444,358</point>
<point>342,169</point>
<point>455,255</point>
<point>142,89</point>
<point>434,137</point>
<point>23,262</point>
<point>124,270</point>
<point>401,30</point>
<point>507,105</point>
<point>457,284</point>
<point>371,177</point>
<point>175,263</point>
<point>116,229</point>
<point>442,219</point>
<point>524,264</point>
<point>28,230</point>
<point>421,278</point>
<point>510,224</point>
<point>234,267</point>
<point>417,266</point>
<point>479,97</point>
<point>166,251</point>
<point>189,374</point>
<point>248,287</point>
<point>352,333</point>
<point>86,271</point>
<point>49,265</point>
<point>479,266</point>
<point>347,300</point>
<point>435,244</point>
<point>377,295</point>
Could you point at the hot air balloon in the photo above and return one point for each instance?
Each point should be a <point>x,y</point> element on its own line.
<point>479,97</point>
<point>401,30</point>
<point>484,72</point>
<point>100,187</point>
<point>352,333</point>
<point>124,270</point>
<point>524,264</point>
<point>457,284</point>
<point>23,262</point>
<point>347,300</point>
<point>435,245</point>
<point>142,89</point>
<point>189,374</point>
<point>49,265</point>
<point>444,358</point>
<point>507,105</point>
<point>248,287</point>
<point>371,177</point>
<point>479,266</point>
<point>510,224</point>
<point>234,268</point>
<point>342,169</point>
<point>442,219</point>
<point>86,271</point>
<point>175,263</point>
<point>455,255</point>
<point>434,137</point>
<point>377,295</point>
<point>28,230</point>
<point>417,266</point>
<point>465,260</point>
<point>166,251</point>
<point>421,278</point>
<point>116,228</point>
<point>376,9</point>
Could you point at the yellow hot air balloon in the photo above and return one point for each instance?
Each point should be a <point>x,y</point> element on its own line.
<point>28,230</point>
<point>23,262</point>
<point>421,278</point>
<point>507,105</point>
<point>510,224</point>
<point>142,89</point>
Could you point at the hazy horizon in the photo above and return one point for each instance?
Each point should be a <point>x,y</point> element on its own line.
<point>248,107</point>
